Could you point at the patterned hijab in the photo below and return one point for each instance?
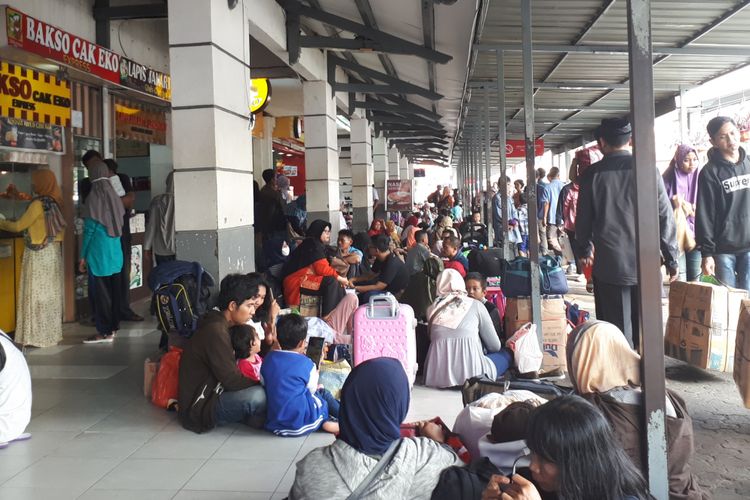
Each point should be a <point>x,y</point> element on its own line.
<point>50,195</point>
<point>452,303</point>
<point>103,205</point>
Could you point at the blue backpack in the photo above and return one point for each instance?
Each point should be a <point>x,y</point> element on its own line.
<point>181,293</point>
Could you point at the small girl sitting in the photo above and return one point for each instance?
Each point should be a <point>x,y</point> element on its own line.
<point>246,345</point>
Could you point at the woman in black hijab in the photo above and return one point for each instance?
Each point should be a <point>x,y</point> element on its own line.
<point>308,267</point>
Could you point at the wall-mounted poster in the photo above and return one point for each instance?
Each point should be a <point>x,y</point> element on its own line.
<point>136,266</point>
<point>399,195</point>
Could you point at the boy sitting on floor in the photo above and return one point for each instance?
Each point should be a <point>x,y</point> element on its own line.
<point>476,287</point>
<point>296,406</point>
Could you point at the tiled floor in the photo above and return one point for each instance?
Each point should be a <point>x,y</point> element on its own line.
<point>94,435</point>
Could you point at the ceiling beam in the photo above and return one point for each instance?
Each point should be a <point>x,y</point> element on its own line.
<point>683,46</point>
<point>570,85</point>
<point>383,77</point>
<point>368,17</point>
<point>367,88</point>
<point>410,120</point>
<point>428,35</point>
<point>417,140</point>
<point>386,40</point>
<point>393,108</point>
<point>707,51</point>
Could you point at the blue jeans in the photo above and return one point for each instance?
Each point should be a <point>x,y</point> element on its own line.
<point>502,360</point>
<point>690,265</point>
<point>247,406</point>
<point>733,270</point>
<point>333,403</point>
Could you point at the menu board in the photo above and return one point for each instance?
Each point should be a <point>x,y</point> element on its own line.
<point>399,195</point>
<point>23,134</point>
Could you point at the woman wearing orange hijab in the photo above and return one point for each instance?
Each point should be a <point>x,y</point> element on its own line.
<point>39,307</point>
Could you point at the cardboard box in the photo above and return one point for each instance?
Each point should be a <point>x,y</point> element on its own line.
<point>742,353</point>
<point>677,292</point>
<point>705,316</point>
<point>554,327</point>
<point>711,305</point>
<point>673,336</point>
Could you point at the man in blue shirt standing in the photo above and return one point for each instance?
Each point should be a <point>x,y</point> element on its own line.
<point>553,188</point>
<point>542,210</point>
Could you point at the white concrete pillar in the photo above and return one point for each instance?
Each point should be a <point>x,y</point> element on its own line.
<point>393,165</point>
<point>345,168</point>
<point>380,165</point>
<point>403,167</point>
<point>263,150</point>
<point>321,154</point>
<point>363,173</point>
<point>213,158</point>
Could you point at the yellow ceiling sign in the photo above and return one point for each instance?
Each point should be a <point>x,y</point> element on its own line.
<point>260,94</point>
<point>34,96</point>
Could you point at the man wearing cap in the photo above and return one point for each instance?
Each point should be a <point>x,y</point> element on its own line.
<point>605,221</point>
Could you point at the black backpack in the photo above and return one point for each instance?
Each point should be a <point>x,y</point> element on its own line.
<point>181,295</point>
<point>489,263</point>
<point>465,483</point>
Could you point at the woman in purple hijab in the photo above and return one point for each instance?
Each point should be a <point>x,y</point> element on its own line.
<point>681,183</point>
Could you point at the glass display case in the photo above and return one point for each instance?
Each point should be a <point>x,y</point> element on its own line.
<point>15,188</point>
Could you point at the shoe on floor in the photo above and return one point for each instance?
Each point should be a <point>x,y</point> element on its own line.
<point>99,339</point>
<point>132,317</point>
<point>554,374</point>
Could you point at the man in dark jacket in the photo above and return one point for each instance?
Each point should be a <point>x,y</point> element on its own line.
<point>212,389</point>
<point>722,223</point>
<point>271,218</point>
<point>606,217</point>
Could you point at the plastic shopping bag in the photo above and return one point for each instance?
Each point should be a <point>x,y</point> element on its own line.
<point>165,389</point>
<point>526,351</point>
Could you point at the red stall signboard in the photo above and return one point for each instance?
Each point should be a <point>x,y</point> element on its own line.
<point>33,35</point>
<point>517,148</point>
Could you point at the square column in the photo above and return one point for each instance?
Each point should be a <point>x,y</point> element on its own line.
<point>321,154</point>
<point>363,173</point>
<point>380,164</point>
<point>403,167</point>
<point>213,154</point>
<point>393,165</point>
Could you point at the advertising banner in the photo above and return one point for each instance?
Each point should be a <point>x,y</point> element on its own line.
<point>33,136</point>
<point>140,123</point>
<point>30,95</point>
<point>32,35</point>
<point>517,148</point>
<point>399,195</point>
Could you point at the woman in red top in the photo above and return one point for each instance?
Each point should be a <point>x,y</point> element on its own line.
<point>308,264</point>
<point>377,227</point>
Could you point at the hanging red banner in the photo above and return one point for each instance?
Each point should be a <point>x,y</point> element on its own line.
<point>517,148</point>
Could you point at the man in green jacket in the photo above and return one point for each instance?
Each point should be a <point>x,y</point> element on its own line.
<point>212,389</point>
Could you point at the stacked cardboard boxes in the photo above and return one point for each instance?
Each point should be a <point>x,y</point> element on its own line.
<point>742,353</point>
<point>702,324</point>
<point>554,327</point>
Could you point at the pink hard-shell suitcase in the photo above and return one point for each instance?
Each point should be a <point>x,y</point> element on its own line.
<point>385,328</point>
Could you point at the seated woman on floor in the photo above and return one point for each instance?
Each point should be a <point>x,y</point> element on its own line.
<point>308,267</point>
<point>464,343</point>
<point>606,371</point>
<point>374,403</point>
<point>573,454</point>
